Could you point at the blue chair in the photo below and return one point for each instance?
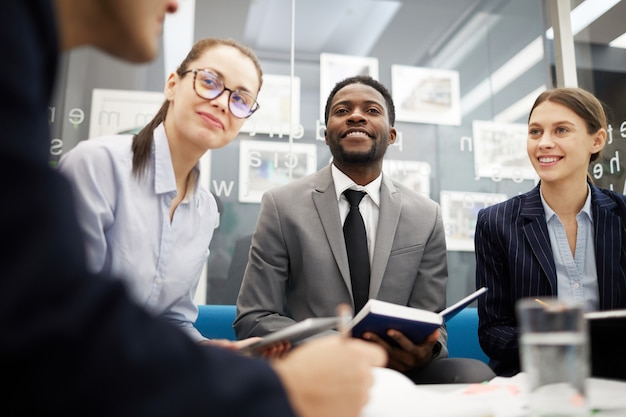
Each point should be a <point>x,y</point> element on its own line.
<point>463,336</point>
<point>216,321</point>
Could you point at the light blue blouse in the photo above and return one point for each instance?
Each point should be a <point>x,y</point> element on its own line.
<point>577,277</point>
<point>127,227</point>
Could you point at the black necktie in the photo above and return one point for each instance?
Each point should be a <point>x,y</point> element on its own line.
<point>356,246</point>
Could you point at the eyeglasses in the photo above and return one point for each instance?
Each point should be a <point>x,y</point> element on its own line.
<point>209,86</point>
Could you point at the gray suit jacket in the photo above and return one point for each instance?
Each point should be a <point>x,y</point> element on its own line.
<point>298,266</point>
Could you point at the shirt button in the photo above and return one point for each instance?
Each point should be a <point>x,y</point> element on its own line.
<point>576,285</point>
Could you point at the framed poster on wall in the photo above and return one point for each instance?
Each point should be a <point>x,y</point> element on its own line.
<point>279,107</point>
<point>500,151</point>
<point>118,111</point>
<point>426,95</point>
<point>413,174</point>
<point>265,164</point>
<point>459,210</point>
<point>334,68</point>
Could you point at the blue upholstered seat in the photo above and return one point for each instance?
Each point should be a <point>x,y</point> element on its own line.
<point>463,336</point>
<point>216,322</point>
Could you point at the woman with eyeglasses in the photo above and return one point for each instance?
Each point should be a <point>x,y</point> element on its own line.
<point>145,216</point>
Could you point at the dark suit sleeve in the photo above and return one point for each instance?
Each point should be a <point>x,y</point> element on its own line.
<point>72,343</point>
<point>497,332</point>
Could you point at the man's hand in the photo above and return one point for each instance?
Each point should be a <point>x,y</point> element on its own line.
<point>408,356</point>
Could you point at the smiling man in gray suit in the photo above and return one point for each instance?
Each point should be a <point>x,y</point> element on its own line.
<point>298,265</point>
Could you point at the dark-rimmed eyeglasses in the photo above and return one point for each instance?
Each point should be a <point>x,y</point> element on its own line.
<point>209,86</point>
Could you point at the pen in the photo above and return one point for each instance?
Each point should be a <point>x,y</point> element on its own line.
<point>541,302</point>
<point>344,311</point>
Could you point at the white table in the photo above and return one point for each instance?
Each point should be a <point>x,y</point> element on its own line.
<point>394,395</point>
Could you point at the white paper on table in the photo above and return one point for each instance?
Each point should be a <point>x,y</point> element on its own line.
<point>504,395</point>
<point>607,394</point>
<point>507,395</point>
<point>395,395</point>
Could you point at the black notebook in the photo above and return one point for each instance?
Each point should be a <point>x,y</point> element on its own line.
<point>606,330</point>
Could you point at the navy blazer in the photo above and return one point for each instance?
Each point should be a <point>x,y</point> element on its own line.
<point>514,260</point>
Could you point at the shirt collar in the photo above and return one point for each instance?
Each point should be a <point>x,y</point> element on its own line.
<point>164,179</point>
<point>343,182</point>
<point>550,213</point>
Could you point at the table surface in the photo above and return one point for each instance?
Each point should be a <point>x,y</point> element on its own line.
<point>616,388</point>
<point>396,396</point>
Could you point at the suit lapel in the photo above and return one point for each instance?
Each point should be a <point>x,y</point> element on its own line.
<point>536,232</point>
<point>325,200</point>
<point>390,207</point>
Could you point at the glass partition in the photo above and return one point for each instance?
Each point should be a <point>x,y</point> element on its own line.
<point>600,56</point>
<point>463,75</point>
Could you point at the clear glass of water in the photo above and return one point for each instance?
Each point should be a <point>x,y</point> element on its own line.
<point>554,351</point>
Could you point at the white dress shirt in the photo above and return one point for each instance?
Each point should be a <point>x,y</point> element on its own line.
<point>369,206</point>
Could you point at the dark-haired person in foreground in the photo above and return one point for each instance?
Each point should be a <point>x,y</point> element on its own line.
<point>72,343</point>
<point>299,268</point>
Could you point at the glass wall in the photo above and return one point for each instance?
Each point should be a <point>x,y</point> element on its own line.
<point>463,75</point>
<point>601,69</point>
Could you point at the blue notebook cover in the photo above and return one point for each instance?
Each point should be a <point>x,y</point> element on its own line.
<point>416,324</point>
<point>417,331</point>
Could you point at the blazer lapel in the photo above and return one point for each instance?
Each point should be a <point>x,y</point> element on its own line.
<point>390,207</point>
<point>536,232</point>
<point>325,200</point>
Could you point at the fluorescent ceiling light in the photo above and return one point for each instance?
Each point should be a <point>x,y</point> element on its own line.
<point>583,15</point>
<point>503,76</point>
<point>360,21</point>
<point>465,41</point>
<point>619,42</point>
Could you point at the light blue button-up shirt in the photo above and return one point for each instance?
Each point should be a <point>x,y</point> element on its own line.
<point>127,228</point>
<point>577,277</point>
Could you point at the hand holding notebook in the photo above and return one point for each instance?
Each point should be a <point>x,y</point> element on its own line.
<point>379,316</point>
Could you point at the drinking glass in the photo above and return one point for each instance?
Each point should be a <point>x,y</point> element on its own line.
<point>554,356</point>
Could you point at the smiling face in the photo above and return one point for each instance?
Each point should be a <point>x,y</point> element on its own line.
<point>358,129</point>
<point>559,144</point>
<point>197,124</point>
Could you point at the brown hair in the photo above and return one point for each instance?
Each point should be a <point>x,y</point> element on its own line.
<point>583,103</point>
<point>142,142</point>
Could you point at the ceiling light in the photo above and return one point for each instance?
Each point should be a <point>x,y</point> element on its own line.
<point>521,62</point>
<point>583,15</point>
<point>619,42</point>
